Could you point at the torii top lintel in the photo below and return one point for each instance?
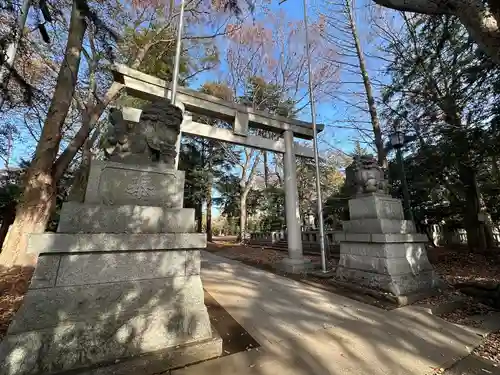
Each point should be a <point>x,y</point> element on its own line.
<point>145,86</point>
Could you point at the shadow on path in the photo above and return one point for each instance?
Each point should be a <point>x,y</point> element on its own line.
<point>304,330</point>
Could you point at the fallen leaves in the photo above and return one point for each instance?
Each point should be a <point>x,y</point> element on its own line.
<point>253,254</point>
<point>459,267</point>
<point>13,285</point>
<point>463,266</point>
<point>258,255</point>
<point>490,348</point>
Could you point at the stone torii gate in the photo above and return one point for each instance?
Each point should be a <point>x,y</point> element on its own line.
<point>242,117</point>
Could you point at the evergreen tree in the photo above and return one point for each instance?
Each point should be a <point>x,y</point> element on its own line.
<point>436,89</point>
<point>358,150</point>
<point>206,161</point>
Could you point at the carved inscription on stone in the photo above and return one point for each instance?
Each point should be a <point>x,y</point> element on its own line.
<point>141,186</point>
<point>118,186</point>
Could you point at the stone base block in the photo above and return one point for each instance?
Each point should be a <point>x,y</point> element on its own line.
<point>381,250</point>
<point>51,307</point>
<point>111,242</point>
<point>62,270</point>
<point>391,266</point>
<point>396,284</point>
<point>91,218</point>
<point>290,265</point>
<point>112,183</point>
<point>375,206</point>
<point>62,328</point>
<point>161,361</point>
<point>409,250</point>
<point>323,275</point>
<point>379,226</point>
<point>75,347</point>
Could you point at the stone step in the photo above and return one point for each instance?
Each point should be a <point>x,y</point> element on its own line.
<point>92,218</point>
<point>111,242</point>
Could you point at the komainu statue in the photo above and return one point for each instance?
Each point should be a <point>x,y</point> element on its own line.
<point>364,175</point>
<point>152,140</point>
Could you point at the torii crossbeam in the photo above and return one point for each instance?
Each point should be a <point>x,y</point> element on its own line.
<point>242,117</point>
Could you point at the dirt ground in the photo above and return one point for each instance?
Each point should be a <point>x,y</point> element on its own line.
<point>14,283</point>
<point>460,266</point>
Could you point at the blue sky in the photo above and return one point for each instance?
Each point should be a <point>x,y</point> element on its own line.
<point>334,113</point>
<point>326,111</point>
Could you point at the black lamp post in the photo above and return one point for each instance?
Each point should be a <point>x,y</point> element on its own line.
<point>397,142</point>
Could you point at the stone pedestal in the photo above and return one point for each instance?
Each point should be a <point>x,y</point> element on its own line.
<point>119,279</point>
<point>291,265</point>
<point>383,251</point>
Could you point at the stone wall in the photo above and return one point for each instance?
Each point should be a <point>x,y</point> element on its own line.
<point>311,238</point>
<point>457,236</point>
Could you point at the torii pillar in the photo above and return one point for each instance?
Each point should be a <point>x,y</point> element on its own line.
<point>295,262</point>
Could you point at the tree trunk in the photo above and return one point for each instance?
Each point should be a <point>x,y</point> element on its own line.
<point>209,208</point>
<point>32,215</point>
<point>243,217</point>
<point>473,227</point>
<point>198,212</point>
<point>494,168</point>
<point>377,132</point>
<point>79,186</point>
<point>486,224</point>
<point>428,232</point>
<point>89,121</point>
<point>11,50</point>
<point>277,171</point>
<point>39,196</point>
<point>7,220</point>
<point>483,24</point>
<point>266,170</point>
<point>231,226</point>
